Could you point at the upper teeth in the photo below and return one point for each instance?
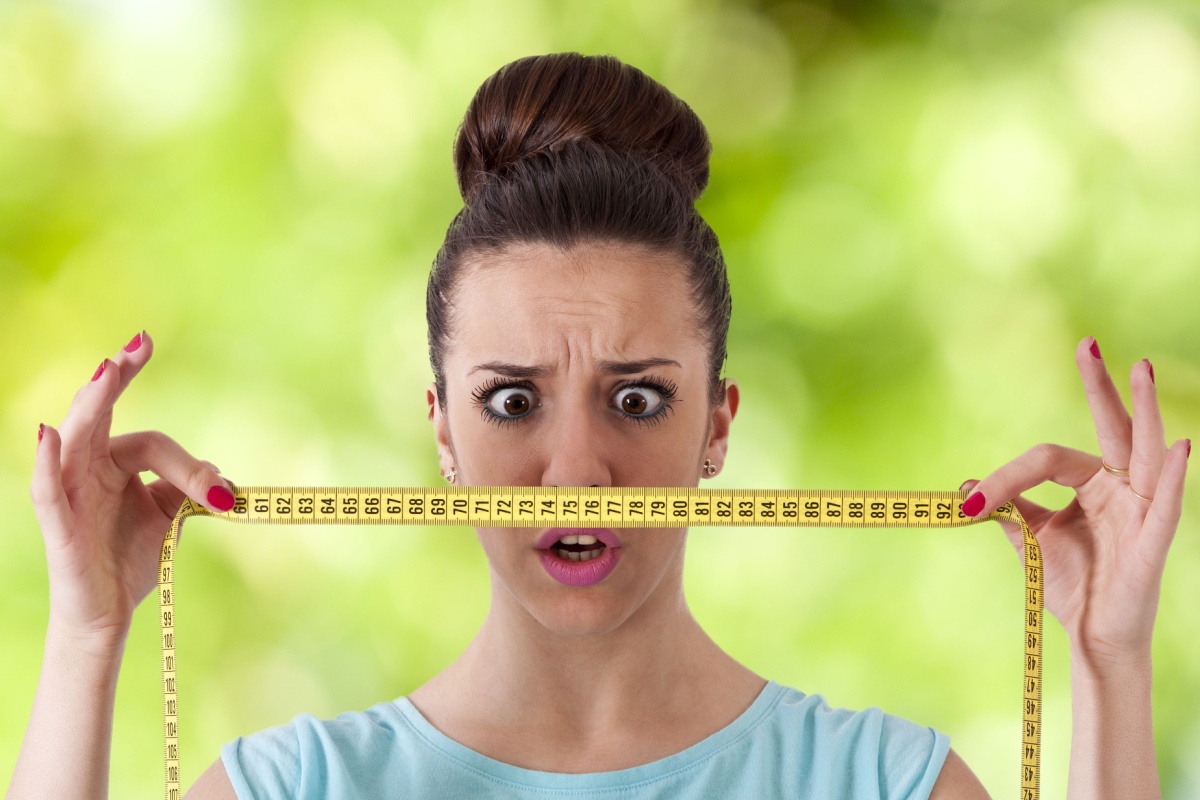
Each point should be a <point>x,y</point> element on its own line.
<point>582,538</point>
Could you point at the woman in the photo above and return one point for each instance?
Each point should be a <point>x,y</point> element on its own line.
<point>577,323</point>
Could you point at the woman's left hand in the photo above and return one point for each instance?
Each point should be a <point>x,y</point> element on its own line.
<point>1104,553</point>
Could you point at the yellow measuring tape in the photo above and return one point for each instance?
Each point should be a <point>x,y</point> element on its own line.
<point>615,507</point>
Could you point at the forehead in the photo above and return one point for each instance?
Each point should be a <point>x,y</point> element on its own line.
<point>541,305</point>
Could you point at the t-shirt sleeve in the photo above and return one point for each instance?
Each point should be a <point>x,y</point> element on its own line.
<point>910,758</point>
<point>351,756</point>
<point>264,765</point>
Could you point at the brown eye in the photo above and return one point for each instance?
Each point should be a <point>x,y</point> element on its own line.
<point>510,402</point>
<point>638,401</point>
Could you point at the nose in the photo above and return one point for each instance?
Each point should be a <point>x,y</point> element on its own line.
<point>575,453</point>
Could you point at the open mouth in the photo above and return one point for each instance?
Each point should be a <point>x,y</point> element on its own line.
<point>579,556</point>
<point>578,547</point>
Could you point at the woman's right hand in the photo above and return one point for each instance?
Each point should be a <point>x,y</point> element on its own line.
<point>102,526</point>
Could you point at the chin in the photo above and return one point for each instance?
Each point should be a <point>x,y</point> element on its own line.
<point>579,618</point>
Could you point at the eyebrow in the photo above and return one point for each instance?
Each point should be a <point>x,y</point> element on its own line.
<point>606,366</point>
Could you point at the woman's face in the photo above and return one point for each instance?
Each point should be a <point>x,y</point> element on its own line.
<point>544,388</point>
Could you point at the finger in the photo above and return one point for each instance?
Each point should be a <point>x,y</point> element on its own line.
<point>130,359</point>
<point>91,401</point>
<point>1033,513</point>
<point>154,451</point>
<point>50,504</point>
<point>166,496</point>
<point>1045,462</point>
<point>1146,462</point>
<point>1114,427</point>
<point>1158,528</point>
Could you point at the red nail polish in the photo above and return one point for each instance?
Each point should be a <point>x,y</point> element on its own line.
<point>100,370</point>
<point>220,498</point>
<point>42,432</point>
<point>1150,368</point>
<point>1095,348</point>
<point>134,343</point>
<point>974,504</point>
<point>1188,455</point>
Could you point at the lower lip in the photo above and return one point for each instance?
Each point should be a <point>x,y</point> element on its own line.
<point>580,573</point>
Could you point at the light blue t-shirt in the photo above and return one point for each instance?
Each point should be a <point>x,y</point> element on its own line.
<point>785,745</point>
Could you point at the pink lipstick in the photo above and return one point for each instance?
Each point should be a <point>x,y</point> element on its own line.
<point>579,556</point>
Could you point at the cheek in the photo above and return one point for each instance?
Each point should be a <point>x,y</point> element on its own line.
<point>489,540</point>
<point>485,453</point>
<point>506,547</point>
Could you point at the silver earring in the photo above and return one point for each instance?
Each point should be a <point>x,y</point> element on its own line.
<point>710,468</point>
<point>453,474</point>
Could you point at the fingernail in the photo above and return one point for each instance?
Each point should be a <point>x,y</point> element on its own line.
<point>1186,455</point>
<point>100,370</point>
<point>220,498</point>
<point>134,343</point>
<point>974,504</point>
<point>1150,367</point>
<point>1095,348</point>
<point>42,432</point>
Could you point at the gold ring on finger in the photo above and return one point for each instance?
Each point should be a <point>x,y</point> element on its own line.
<point>1124,473</point>
<point>1140,496</point>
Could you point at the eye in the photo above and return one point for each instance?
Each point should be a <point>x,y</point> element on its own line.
<point>513,401</point>
<point>639,401</point>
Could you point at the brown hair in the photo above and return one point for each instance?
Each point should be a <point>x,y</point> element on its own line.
<point>566,149</point>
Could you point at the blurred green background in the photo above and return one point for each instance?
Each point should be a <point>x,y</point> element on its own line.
<point>924,207</point>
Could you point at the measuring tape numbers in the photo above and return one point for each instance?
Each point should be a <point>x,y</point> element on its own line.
<point>616,507</point>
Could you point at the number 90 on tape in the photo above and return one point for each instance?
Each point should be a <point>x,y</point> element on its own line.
<point>617,507</point>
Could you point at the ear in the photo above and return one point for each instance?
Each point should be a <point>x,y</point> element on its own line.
<point>441,431</point>
<point>722,421</point>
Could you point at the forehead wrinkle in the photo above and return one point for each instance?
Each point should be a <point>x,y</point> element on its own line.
<point>567,337</point>
<point>606,366</point>
<point>554,270</point>
<point>601,316</point>
<point>540,351</point>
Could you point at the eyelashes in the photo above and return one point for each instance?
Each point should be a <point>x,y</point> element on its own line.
<point>665,389</point>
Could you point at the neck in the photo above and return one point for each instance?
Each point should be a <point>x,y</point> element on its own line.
<point>581,689</point>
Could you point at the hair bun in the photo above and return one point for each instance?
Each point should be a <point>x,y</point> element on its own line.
<point>541,105</point>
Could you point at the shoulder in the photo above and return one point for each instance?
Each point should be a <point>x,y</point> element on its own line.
<point>882,754</point>
<point>292,759</point>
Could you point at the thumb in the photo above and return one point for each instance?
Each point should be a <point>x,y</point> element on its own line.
<point>1012,531</point>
